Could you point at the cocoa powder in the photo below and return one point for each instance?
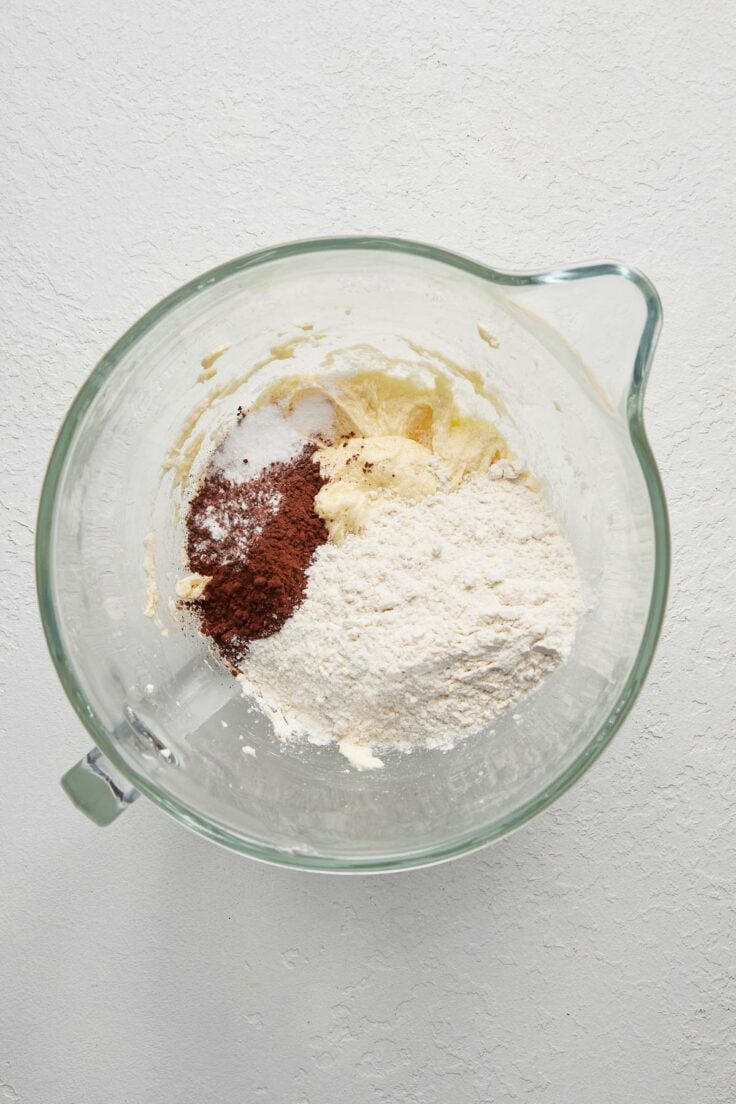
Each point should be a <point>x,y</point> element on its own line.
<point>255,540</point>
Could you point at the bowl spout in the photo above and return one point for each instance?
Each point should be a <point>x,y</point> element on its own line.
<point>607,316</point>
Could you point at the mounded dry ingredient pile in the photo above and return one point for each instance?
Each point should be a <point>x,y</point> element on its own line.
<point>426,626</point>
<point>254,540</point>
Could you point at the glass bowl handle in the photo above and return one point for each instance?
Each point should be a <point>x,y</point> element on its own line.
<point>97,789</point>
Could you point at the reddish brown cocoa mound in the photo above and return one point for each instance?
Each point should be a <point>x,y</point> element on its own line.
<point>256,541</point>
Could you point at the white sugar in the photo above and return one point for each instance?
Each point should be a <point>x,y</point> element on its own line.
<point>266,437</point>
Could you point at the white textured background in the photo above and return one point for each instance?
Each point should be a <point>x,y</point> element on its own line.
<point>590,958</point>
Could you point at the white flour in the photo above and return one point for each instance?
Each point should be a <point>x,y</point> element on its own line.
<point>426,626</point>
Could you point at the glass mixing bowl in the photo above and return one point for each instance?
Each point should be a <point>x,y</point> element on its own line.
<point>566,354</point>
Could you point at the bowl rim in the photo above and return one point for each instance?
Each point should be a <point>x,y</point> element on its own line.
<point>634,414</point>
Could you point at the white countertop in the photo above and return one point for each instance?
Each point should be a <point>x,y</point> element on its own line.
<point>590,957</point>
